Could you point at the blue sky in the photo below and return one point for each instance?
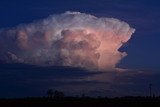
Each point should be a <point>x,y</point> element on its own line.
<point>143,48</point>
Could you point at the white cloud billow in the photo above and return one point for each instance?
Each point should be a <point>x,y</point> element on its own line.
<point>70,39</point>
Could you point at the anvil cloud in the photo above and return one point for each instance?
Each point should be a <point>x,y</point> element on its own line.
<point>70,39</point>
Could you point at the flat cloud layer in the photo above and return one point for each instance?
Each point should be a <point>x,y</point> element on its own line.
<point>70,39</point>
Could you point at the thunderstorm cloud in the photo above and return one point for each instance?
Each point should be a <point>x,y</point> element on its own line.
<point>70,39</point>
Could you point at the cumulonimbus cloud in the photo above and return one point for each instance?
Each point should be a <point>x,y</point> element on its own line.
<point>69,39</point>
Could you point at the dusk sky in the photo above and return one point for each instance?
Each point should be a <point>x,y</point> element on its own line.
<point>96,47</point>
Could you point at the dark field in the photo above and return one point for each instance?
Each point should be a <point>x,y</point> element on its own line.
<point>81,102</point>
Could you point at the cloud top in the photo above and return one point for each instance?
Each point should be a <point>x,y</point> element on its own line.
<point>70,39</point>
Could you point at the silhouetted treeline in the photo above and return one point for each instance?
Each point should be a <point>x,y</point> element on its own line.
<point>57,98</point>
<point>81,102</point>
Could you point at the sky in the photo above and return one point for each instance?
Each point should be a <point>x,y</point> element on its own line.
<point>141,62</point>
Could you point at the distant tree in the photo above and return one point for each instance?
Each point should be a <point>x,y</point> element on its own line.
<point>83,95</point>
<point>58,94</point>
<point>50,93</point>
<point>55,94</point>
<point>99,97</point>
